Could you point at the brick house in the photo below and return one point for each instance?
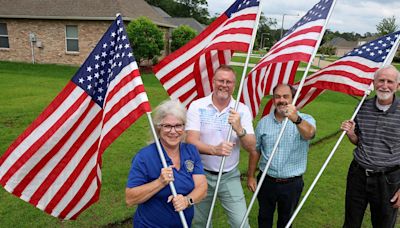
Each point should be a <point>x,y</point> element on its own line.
<point>63,31</point>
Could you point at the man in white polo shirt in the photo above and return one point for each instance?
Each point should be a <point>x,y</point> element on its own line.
<point>208,123</point>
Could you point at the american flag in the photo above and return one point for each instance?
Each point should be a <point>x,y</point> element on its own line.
<point>55,164</point>
<point>280,64</point>
<point>352,74</point>
<point>186,73</point>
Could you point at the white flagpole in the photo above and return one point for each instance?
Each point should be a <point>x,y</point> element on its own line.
<point>264,173</point>
<point>222,164</point>
<point>366,93</point>
<point>164,162</point>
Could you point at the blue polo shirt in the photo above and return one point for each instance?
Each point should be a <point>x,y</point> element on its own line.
<point>290,159</point>
<point>146,167</point>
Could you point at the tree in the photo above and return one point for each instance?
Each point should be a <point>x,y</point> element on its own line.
<point>264,31</point>
<point>184,8</point>
<point>146,39</point>
<point>181,35</point>
<point>386,26</point>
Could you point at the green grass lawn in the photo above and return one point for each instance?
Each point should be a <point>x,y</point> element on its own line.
<point>27,89</point>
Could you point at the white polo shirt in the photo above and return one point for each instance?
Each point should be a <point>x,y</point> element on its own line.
<point>213,126</point>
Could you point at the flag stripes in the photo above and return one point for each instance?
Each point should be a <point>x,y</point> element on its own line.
<point>280,64</point>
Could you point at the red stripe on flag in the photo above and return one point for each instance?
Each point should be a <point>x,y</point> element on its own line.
<point>72,178</point>
<point>203,35</point>
<point>122,126</point>
<point>42,140</point>
<point>65,160</point>
<point>122,102</point>
<point>81,192</point>
<point>39,166</point>
<point>179,84</point>
<point>126,80</point>
<point>45,114</point>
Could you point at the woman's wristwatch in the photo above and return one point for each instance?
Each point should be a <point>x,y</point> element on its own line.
<point>190,201</point>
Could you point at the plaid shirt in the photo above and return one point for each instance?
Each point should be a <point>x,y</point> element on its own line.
<point>290,159</point>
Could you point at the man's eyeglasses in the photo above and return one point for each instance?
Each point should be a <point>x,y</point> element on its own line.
<point>227,82</point>
<point>168,127</point>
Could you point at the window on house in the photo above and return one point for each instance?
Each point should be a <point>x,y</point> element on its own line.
<point>4,36</point>
<point>71,37</point>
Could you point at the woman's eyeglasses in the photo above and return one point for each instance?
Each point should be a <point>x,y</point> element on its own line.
<point>168,127</point>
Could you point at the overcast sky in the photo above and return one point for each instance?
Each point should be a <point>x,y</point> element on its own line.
<point>359,16</point>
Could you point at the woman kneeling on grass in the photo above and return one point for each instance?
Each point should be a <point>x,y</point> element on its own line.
<point>148,181</point>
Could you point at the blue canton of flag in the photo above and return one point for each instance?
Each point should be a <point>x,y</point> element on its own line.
<point>112,53</point>
<point>319,11</point>
<point>240,5</point>
<point>376,50</point>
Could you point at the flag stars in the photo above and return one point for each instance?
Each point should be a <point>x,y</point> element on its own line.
<point>97,57</point>
<point>100,90</point>
<point>96,66</point>
<point>113,34</point>
<point>101,80</point>
<point>89,78</point>
<point>104,54</point>
<point>81,80</point>
<point>372,54</point>
<point>105,45</point>
<point>100,98</point>
<point>97,75</point>
<point>112,43</point>
<point>89,69</point>
<point>89,87</point>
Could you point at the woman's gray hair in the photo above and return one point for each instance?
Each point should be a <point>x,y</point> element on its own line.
<point>169,107</point>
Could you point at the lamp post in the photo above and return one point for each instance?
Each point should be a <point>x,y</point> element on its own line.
<point>283,19</point>
<point>266,38</point>
<point>261,40</point>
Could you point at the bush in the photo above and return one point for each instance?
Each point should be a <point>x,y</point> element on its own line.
<point>146,39</point>
<point>327,50</point>
<point>181,35</point>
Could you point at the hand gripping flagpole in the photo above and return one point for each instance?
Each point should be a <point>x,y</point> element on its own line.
<point>222,164</point>
<point>285,121</point>
<point>164,163</point>
<point>366,93</point>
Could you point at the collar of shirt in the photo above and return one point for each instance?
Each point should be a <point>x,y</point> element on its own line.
<point>211,104</point>
<point>393,106</point>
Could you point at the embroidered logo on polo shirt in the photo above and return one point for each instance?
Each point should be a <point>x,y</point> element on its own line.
<point>189,166</point>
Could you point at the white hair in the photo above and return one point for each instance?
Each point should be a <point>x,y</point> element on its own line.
<point>388,67</point>
<point>169,107</point>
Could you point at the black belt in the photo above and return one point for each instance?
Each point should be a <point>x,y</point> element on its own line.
<point>373,172</point>
<point>213,172</point>
<point>282,180</point>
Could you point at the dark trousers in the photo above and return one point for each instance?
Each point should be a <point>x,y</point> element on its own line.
<point>284,194</point>
<point>377,190</point>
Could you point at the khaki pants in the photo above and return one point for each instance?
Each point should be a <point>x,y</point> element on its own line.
<point>231,196</point>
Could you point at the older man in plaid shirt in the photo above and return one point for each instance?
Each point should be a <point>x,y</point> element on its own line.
<point>284,183</point>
